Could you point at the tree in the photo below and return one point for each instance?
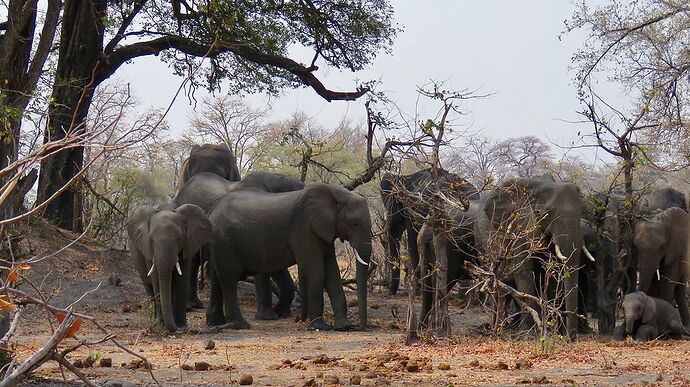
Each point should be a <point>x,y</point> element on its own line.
<point>525,156</point>
<point>230,121</point>
<point>23,55</point>
<point>643,45</point>
<point>242,44</point>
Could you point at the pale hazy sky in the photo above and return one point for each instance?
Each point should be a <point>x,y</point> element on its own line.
<point>509,48</point>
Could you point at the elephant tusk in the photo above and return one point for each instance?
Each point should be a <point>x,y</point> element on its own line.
<point>658,275</point>
<point>179,269</point>
<point>360,260</point>
<point>587,253</point>
<point>558,252</point>
<point>150,271</point>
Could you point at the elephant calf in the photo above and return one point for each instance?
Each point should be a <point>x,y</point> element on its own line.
<point>162,241</point>
<point>647,318</point>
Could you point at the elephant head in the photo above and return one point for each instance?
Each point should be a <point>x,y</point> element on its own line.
<point>335,212</point>
<point>638,307</point>
<point>210,158</point>
<point>164,237</point>
<point>536,209</point>
<point>661,241</point>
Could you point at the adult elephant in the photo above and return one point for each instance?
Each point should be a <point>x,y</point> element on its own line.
<point>219,160</point>
<point>209,158</point>
<point>662,245</point>
<point>205,190</point>
<point>162,242</point>
<point>601,227</point>
<point>403,216</point>
<point>661,199</point>
<point>461,248</point>
<point>260,232</point>
<point>527,214</point>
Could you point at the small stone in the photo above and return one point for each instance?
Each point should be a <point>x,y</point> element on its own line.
<point>371,375</point>
<point>105,362</point>
<point>382,382</point>
<point>78,363</point>
<point>523,364</point>
<point>322,359</point>
<point>287,361</point>
<point>89,361</point>
<point>126,308</point>
<point>375,306</point>
<point>352,303</point>
<point>310,383</point>
<point>275,367</point>
<point>201,366</point>
<point>331,379</point>
<point>246,380</point>
<point>474,363</point>
<point>210,345</point>
<point>444,367</point>
<point>502,366</point>
<point>659,378</point>
<point>319,375</point>
<point>356,380</point>
<point>412,367</point>
<point>186,367</point>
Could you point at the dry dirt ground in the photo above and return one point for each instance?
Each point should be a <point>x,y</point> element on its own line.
<point>283,353</point>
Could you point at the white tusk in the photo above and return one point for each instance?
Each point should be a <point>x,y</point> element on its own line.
<point>587,254</point>
<point>150,271</point>
<point>558,252</point>
<point>658,275</point>
<point>179,269</point>
<point>360,260</point>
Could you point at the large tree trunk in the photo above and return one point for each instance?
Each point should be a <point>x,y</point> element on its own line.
<point>81,44</point>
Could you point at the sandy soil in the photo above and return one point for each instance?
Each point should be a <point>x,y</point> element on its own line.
<point>284,353</point>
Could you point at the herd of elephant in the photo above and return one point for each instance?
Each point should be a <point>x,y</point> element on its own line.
<point>520,211</point>
<point>265,223</point>
<point>260,225</point>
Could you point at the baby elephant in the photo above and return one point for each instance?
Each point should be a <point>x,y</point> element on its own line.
<point>647,318</point>
<point>162,241</point>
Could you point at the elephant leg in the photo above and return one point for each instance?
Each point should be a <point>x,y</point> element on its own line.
<point>524,281</point>
<point>680,295</point>
<point>619,333</point>
<point>233,314</point>
<point>264,299</point>
<point>304,296</point>
<point>393,264</point>
<point>334,287</point>
<point>646,332</point>
<point>193,301</point>
<point>412,247</point>
<point>677,329</point>
<point>427,284</point>
<point>311,268</point>
<point>214,309</point>
<point>287,292</point>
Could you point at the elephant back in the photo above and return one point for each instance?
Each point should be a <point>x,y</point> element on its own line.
<point>210,158</point>
<point>662,199</point>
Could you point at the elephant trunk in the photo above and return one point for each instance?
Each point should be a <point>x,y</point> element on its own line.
<point>164,268</point>
<point>648,266</point>
<point>629,323</point>
<point>363,252</point>
<point>568,237</point>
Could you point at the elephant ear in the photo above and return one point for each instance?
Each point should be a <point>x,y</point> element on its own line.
<point>504,201</point>
<point>319,207</point>
<point>677,225</point>
<point>649,310</point>
<point>138,229</point>
<point>197,229</point>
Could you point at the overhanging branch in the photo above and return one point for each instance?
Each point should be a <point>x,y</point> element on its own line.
<point>111,62</point>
